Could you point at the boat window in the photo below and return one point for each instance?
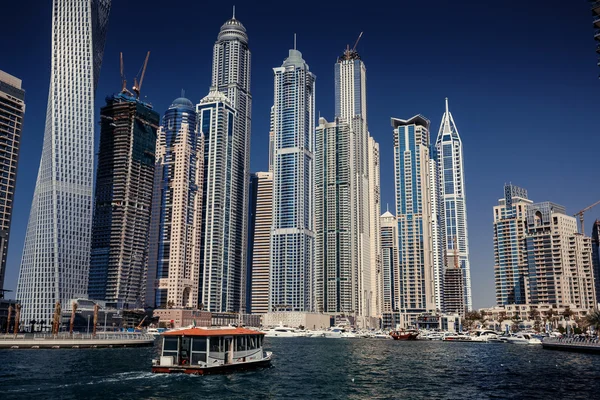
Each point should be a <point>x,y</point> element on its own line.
<point>198,358</point>
<point>170,344</point>
<point>199,344</point>
<point>251,342</point>
<point>216,344</point>
<point>240,342</point>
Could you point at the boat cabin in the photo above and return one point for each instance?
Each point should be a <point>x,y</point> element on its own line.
<point>200,350</point>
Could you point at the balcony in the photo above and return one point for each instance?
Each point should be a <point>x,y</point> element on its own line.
<point>595,7</point>
<point>597,34</point>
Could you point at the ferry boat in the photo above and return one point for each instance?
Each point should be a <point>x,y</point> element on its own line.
<point>201,351</point>
<point>404,335</point>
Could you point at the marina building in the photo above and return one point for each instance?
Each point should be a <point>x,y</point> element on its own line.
<point>452,198</point>
<point>510,252</point>
<point>292,282</point>
<point>56,253</point>
<point>175,227</point>
<point>221,276</point>
<point>596,258</point>
<point>559,259</point>
<point>231,77</point>
<point>390,273</point>
<point>413,213</point>
<point>375,296</point>
<point>123,201</point>
<point>261,217</point>
<point>12,109</point>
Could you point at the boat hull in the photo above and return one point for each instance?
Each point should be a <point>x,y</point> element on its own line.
<point>404,336</point>
<point>221,369</point>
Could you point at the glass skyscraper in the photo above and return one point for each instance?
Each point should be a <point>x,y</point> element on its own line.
<point>413,210</point>
<point>175,225</point>
<point>221,276</point>
<point>12,108</point>
<point>293,235</point>
<point>56,252</point>
<point>123,203</point>
<point>455,239</point>
<point>231,76</point>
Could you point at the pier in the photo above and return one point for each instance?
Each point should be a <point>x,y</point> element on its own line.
<point>75,341</point>
<point>581,345</point>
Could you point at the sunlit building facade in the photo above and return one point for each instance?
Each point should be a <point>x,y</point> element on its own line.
<point>56,253</point>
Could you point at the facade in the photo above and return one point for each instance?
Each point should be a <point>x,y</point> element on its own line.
<point>314,321</point>
<point>449,154</point>
<point>177,317</point>
<point>596,258</point>
<point>438,239</point>
<point>261,219</point>
<point>596,19</point>
<point>390,272</point>
<point>175,225</point>
<point>231,76</point>
<point>337,272</point>
<point>375,297</point>
<point>454,298</point>
<point>221,273</point>
<point>413,213</point>
<point>123,202</point>
<point>12,109</point>
<point>559,259</point>
<point>55,263</point>
<point>510,260</point>
<point>292,237</point>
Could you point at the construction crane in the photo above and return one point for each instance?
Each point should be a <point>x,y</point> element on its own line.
<point>357,40</point>
<point>137,87</point>
<point>352,54</point>
<point>139,327</point>
<point>580,215</point>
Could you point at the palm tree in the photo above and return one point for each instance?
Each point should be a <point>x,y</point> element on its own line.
<point>594,320</point>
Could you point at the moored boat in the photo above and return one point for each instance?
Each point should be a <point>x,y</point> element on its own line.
<point>404,334</point>
<point>201,351</point>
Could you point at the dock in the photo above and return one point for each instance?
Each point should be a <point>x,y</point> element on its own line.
<point>75,341</point>
<point>572,344</point>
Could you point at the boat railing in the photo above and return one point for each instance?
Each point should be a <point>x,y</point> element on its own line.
<point>79,336</point>
<point>574,341</point>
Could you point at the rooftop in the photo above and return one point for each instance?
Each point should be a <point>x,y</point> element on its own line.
<point>201,331</point>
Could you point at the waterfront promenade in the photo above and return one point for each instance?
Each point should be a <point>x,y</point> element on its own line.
<point>75,341</point>
<point>572,344</point>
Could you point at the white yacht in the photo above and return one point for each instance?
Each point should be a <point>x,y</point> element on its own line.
<point>484,335</point>
<point>284,331</point>
<point>523,338</point>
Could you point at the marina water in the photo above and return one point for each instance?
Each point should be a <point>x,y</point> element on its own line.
<point>313,368</point>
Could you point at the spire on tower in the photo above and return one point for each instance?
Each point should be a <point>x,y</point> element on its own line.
<point>294,41</point>
<point>446,105</point>
<point>233,17</point>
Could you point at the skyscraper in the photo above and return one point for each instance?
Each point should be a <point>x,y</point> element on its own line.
<point>449,152</point>
<point>438,238</point>
<point>12,109</point>
<point>56,252</point>
<point>175,225</point>
<point>337,272</point>
<point>221,276</point>
<point>375,300</point>
<point>559,259</point>
<point>413,210</point>
<point>262,213</point>
<point>510,252</point>
<point>292,235</point>
<point>596,257</point>
<point>123,203</point>
<point>231,76</point>
<point>389,266</point>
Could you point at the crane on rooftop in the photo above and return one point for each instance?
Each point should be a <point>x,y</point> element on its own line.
<point>580,215</point>
<point>138,87</point>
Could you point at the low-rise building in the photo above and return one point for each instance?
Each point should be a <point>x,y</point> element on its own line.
<point>297,319</point>
<point>179,317</point>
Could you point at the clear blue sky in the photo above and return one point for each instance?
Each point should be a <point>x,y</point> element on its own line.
<point>521,77</point>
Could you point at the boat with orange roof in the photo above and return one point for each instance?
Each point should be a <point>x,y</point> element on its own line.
<point>201,351</point>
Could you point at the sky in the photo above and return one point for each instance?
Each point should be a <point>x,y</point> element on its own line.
<point>521,78</point>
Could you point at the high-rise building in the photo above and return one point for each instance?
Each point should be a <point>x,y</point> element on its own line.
<point>123,201</point>
<point>221,275</point>
<point>56,253</point>
<point>175,225</point>
<point>449,152</point>
<point>12,109</point>
<point>389,264</point>
<point>231,76</point>
<point>413,212</point>
<point>438,238</point>
<point>292,236</point>
<point>375,299</point>
<point>337,275</point>
<point>454,298</point>
<point>596,15</point>
<point>596,258</point>
<point>510,252</point>
<point>261,216</point>
<point>559,259</point>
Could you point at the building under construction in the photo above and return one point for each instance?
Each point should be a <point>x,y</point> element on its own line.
<point>123,200</point>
